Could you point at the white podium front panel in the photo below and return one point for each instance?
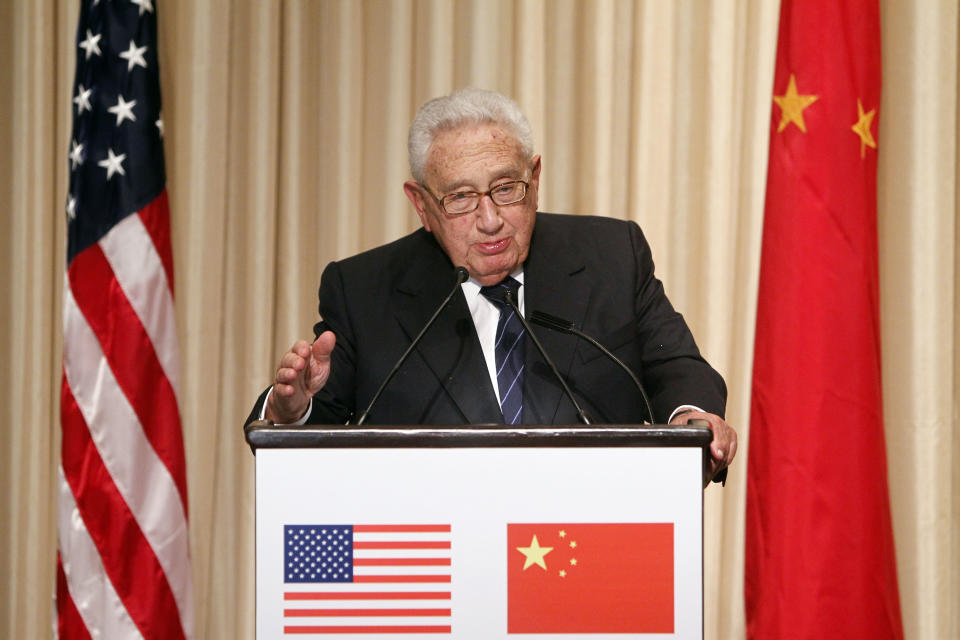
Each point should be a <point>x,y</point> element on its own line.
<point>479,543</point>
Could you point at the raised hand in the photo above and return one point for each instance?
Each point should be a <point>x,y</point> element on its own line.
<point>303,371</point>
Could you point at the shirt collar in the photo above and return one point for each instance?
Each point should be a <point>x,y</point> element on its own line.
<point>472,287</point>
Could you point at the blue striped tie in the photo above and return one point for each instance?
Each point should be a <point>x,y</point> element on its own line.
<point>509,350</point>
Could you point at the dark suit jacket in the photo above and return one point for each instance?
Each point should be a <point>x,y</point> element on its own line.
<point>597,272</point>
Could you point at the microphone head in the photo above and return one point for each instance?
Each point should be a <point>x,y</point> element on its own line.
<point>552,322</point>
<point>462,274</point>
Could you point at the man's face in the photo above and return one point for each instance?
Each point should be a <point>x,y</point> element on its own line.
<point>492,241</point>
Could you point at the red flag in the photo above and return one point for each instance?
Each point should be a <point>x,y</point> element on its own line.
<point>590,578</point>
<point>123,567</point>
<point>819,543</point>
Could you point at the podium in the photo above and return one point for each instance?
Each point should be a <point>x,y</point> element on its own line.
<point>479,532</point>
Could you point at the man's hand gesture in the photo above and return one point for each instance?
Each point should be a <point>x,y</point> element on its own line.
<point>303,371</point>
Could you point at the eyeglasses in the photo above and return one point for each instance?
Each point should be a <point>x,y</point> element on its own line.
<point>461,202</point>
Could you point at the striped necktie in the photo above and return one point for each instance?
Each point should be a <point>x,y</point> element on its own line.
<point>509,350</point>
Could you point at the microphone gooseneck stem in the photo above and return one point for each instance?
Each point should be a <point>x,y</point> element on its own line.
<point>565,326</point>
<point>623,365</point>
<point>462,275</point>
<point>581,414</point>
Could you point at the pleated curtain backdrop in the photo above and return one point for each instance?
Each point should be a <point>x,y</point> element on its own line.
<point>286,148</point>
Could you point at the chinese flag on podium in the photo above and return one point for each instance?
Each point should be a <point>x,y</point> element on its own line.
<point>819,544</point>
<point>590,578</point>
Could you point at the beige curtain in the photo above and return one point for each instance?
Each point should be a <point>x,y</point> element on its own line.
<point>285,138</point>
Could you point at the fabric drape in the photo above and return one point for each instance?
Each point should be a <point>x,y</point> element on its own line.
<point>285,138</point>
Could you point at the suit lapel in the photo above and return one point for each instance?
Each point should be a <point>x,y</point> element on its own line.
<point>450,347</point>
<point>556,282</point>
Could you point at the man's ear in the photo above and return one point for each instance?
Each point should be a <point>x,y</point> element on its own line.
<point>415,195</point>
<point>535,172</point>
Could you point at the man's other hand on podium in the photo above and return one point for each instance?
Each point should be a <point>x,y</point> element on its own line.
<point>723,447</point>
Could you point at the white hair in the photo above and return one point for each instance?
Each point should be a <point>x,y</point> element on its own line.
<point>466,106</point>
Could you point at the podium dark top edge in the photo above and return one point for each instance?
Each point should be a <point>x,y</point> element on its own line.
<point>261,435</point>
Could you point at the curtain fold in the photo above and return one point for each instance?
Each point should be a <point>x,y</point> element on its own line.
<point>285,135</point>
<point>918,257</point>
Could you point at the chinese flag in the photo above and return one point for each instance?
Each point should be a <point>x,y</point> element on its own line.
<point>590,578</point>
<point>819,544</point>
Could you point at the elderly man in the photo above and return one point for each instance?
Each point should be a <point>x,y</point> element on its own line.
<point>475,186</point>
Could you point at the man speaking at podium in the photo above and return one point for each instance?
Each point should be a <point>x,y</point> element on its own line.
<point>474,187</point>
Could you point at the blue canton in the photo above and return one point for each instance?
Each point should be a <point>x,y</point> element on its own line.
<point>318,553</point>
<point>116,147</point>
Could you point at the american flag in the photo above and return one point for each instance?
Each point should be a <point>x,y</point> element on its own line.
<point>123,567</point>
<point>367,578</point>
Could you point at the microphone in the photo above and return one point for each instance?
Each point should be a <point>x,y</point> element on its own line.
<point>563,383</point>
<point>565,326</point>
<point>462,275</point>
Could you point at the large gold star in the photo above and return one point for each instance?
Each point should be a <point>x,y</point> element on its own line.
<point>862,129</point>
<point>534,554</point>
<point>792,105</point>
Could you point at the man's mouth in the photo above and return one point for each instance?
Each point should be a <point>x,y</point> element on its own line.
<point>490,248</point>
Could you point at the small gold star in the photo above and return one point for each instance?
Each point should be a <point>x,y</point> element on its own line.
<point>573,544</point>
<point>563,574</point>
<point>563,534</point>
<point>573,561</point>
<point>792,105</point>
<point>862,128</point>
<point>534,554</point>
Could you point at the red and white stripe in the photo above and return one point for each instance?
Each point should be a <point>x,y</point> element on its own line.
<point>124,547</point>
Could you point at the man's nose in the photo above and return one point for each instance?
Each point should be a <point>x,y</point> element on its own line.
<point>488,215</point>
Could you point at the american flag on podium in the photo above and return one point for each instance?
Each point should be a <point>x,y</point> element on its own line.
<point>123,567</point>
<point>367,579</point>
